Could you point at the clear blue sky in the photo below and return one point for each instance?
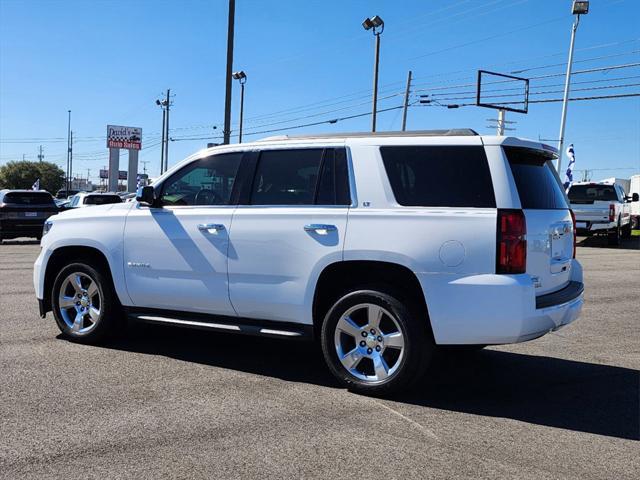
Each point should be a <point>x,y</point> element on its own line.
<point>306,61</point>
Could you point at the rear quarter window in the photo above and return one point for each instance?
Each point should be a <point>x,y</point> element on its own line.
<point>439,176</point>
<point>538,184</point>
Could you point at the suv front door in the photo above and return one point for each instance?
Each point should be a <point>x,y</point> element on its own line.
<point>288,226</point>
<point>175,257</point>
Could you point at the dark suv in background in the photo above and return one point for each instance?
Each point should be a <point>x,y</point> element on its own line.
<point>23,212</point>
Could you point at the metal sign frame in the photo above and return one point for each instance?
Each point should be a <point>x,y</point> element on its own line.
<point>503,106</point>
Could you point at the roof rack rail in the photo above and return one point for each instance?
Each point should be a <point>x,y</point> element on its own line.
<point>452,132</point>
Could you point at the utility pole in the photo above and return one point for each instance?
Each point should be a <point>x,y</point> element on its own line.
<point>40,154</point>
<point>580,7</point>
<point>226,133</point>
<point>144,166</point>
<point>166,135</point>
<point>71,157</point>
<point>501,119</point>
<point>68,150</point>
<point>406,102</point>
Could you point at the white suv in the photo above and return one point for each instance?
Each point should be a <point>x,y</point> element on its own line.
<point>381,246</point>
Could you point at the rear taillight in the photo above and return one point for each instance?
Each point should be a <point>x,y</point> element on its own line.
<point>511,247</point>
<point>612,213</point>
<point>573,220</point>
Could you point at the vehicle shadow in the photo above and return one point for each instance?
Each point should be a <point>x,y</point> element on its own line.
<point>560,393</point>
<point>20,242</point>
<point>600,241</point>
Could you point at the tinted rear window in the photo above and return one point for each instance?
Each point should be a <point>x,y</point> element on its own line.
<point>102,199</point>
<point>439,176</point>
<point>28,198</point>
<point>590,193</point>
<point>538,184</point>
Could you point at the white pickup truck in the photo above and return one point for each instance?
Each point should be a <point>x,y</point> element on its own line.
<point>602,208</point>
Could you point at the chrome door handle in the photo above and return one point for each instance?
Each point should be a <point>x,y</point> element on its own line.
<point>210,226</point>
<point>319,228</point>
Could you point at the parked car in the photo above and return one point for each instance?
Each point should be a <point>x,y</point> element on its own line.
<point>89,199</point>
<point>382,246</point>
<point>23,212</point>
<point>62,194</point>
<point>601,208</point>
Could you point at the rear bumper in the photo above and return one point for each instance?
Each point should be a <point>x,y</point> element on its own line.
<point>498,309</point>
<point>17,228</point>
<point>586,227</point>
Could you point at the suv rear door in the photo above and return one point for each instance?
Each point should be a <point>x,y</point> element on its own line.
<point>548,219</point>
<point>290,223</point>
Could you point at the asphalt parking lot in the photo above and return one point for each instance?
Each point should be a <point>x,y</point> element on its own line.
<point>169,403</point>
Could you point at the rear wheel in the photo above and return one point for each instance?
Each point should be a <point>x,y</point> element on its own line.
<point>84,304</point>
<point>613,237</point>
<point>374,344</point>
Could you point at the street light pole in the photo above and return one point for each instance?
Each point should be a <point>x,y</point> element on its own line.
<point>242,78</point>
<point>375,84</point>
<point>580,7</point>
<point>226,132</point>
<point>377,24</point>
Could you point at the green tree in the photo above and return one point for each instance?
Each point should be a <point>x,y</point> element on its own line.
<point>23,174</point>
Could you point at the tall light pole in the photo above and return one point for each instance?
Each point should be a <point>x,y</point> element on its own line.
<point>226,132</point>
<point>242,78</point>
<point>376,24</point>
<point>579,7</point>
<point>164,145</point>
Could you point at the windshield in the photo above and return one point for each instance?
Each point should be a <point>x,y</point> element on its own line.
<point>591,193</point>
<point>28,198</point>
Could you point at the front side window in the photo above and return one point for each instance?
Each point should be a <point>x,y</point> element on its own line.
<point>208,181</point>
<point>439,176</point>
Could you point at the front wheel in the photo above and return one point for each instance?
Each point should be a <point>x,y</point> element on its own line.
<point>84,304</point>
<point>374,344</point>
<point>626,231</point>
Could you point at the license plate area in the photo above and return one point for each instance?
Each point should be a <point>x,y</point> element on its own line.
<point>31,214</point>
<point>561,240</point>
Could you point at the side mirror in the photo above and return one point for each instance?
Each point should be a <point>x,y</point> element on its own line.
<point>635,197</point>
<point>146,195</point>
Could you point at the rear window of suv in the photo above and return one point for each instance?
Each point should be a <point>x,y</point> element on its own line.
<point>538,183</point>
<point>439,176</point>
<point>28,198</point>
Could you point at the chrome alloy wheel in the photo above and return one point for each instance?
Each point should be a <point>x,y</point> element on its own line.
<point>79,303</point>
<point>369,342</point>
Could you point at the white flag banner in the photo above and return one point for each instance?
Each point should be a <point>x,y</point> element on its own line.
<point>36,185</point>
<point>568,179</point>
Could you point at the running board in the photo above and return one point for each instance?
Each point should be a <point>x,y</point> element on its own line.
<point>252,327</point>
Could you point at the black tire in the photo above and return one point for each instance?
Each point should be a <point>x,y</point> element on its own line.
<point>613,237</point>
<point>626,231</point>
<point>108,322</point>
<point>415,354</point>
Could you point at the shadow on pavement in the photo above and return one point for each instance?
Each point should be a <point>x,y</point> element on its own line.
<point>20,242</point>
<point>600,241</point>
<point>566,394</point>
